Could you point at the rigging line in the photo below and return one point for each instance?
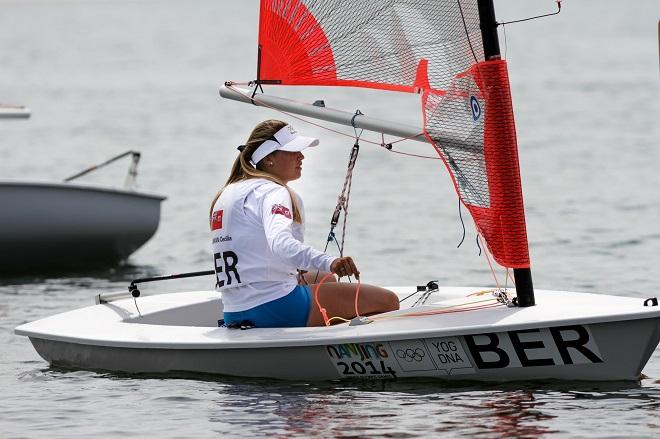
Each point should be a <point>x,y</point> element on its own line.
<point>511,277</point>
<point>345,194</point>
<point>331,235</point>
<point>446,310</point>
<point>508,274</point>
<point>479,302</point>
<point>294,116</point>
<point>343,228</point>
<point>136,306</point>
<point>340,252</point>
<point>410,295</point>
<point>431,312</point>
<point>342,202</point>
<point>407,138</point>
<point>467,33</point>
<point>460,215</point>
<point>382,142</point>
<point>538,16</point>
<point>506,45</point>
<point>334,237</point>
<point>388,146</point>
<point>410,154</point>
<point>492,270</point>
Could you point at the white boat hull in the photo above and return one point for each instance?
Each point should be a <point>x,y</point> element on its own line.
<point>566,336</point>
<point>54,226</point>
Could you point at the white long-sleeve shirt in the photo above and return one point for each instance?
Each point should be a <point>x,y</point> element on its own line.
<point>257,247</point>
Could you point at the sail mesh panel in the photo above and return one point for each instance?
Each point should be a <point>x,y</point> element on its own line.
<point>430,47</point>
<point>473,129</point>
<point>373,43</point>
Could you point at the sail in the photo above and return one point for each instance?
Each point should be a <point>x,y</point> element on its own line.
<point>429,47</point>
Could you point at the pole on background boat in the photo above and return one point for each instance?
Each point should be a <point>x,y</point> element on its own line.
<point>522,276</point>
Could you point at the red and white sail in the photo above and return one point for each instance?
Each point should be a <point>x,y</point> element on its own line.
<point>429,47</point>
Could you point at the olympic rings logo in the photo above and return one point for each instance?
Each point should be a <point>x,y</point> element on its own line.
<point>409,355</point>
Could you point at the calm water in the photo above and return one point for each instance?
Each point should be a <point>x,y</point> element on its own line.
<point>105,76</point>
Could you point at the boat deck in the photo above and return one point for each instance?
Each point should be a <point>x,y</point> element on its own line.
<point>188,320</point>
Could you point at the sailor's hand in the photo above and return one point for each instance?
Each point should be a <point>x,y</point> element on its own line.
<point>344,267</point>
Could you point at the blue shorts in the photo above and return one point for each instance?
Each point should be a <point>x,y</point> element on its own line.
<point>291,310</point>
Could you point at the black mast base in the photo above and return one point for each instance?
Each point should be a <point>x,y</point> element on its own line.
<point>524,287</point>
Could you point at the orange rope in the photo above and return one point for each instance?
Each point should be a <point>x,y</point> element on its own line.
<point>357,294</point>
<point>323,311</point>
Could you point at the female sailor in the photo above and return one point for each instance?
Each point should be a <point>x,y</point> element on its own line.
<point>257,225</point>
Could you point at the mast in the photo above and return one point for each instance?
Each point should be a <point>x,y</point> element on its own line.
<point>523,276</point>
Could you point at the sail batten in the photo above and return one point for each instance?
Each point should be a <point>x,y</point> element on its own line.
<point>432,48</point>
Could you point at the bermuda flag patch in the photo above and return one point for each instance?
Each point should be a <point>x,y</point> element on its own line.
<point>278,209</point>
<point>216,220</point>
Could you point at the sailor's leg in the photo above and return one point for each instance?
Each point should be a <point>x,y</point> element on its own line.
<point>314,277</point>
<point>339,301</point>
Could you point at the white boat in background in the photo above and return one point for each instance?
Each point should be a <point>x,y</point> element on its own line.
<point>14,111</point>
<point>450,333</point>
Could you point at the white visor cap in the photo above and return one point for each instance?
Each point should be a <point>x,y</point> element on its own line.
<point>286,139</point>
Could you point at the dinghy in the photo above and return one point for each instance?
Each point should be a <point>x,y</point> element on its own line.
<point>52,226</point>
<point>457,334</point>
<point>8,111</point>
<point>448,52</point>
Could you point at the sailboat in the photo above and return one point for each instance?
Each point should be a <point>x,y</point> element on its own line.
<point>60,226</point>
<point>8,111</point>
<point>52,226</point>
<point>448,53</point>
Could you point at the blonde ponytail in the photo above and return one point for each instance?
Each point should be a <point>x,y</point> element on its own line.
<point>243,170</point>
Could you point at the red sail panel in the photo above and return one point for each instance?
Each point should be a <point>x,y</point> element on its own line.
<point>293,48</point>
<point>374,44</point>
<point>432,47</point>
<point>482,156</point>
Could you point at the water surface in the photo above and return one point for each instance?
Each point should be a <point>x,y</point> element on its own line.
<point>105,76</point>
